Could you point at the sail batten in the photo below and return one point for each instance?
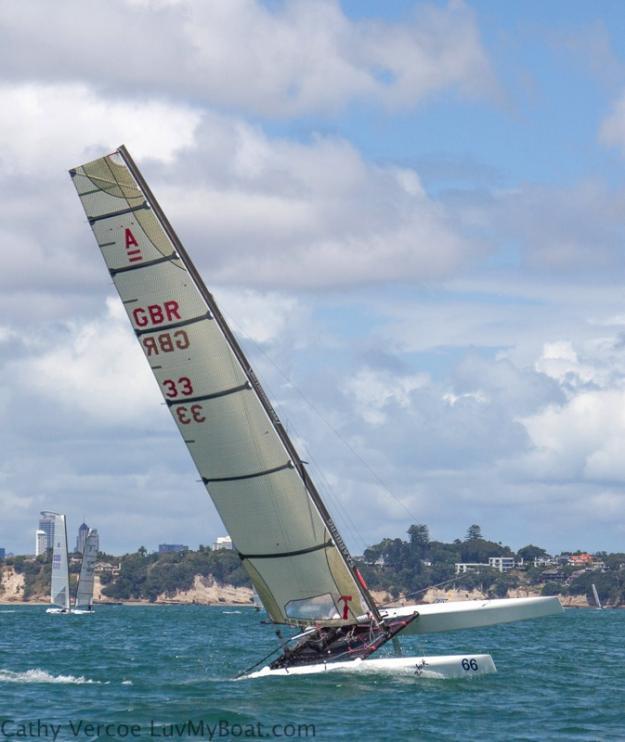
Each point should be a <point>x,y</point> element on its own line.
<point>284,534</point>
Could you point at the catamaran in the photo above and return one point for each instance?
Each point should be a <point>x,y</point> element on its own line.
<point>84,589</point>
<point>59,585</point>
<point>595,595</point>
<point>280,527</point>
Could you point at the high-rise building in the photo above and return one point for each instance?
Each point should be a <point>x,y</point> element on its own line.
<point>46,524</point>
<point>96,539</point>
<point>40,542</point>
<point>82,537</point>
<point>2,552</point>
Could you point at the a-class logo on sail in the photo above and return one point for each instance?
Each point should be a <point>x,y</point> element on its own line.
<point>133,251</point>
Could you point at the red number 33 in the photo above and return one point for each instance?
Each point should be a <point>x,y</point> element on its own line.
<point>172,390</point>
<point>187,415</point>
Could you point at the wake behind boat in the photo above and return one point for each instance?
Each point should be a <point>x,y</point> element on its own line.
<point>285,537</point>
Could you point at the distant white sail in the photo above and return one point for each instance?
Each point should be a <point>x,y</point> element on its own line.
<point>84,591</point>
<point>595,595</point>
<point>279,525</point>
<point>59,592</point>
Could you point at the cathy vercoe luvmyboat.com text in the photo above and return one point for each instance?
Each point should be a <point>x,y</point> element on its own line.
<point>221,729</point>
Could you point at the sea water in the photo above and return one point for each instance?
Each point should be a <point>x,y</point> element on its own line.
<point>166,672</point>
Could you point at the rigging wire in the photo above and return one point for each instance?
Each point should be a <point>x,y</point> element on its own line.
<point>316,410</point>
<point>422,590</point>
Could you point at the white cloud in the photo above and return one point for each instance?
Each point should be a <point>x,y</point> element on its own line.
<point>48,127</point>
<point>260,317</point>
<point>373,391</point>
<point>96,372</point>
<point>581,439</point>
<point>290,59</point>
<point>276,212</point>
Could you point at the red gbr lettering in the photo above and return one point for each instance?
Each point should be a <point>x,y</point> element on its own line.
<point>156,314</point>
<point>131,240</point>
<point>166,342</point>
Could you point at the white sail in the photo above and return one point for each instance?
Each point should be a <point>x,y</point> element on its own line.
<point>595,595</point>
<point>59,590</point>
<point>84,590</point>
<point>278,523</point>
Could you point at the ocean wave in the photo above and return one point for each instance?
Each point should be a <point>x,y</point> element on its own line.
<point>41,676</point>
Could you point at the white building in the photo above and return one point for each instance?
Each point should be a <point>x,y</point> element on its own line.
<point>46,524</point>
<point>463,567</point>
<point>502,563</point>
<point>223,542</point>
<point>41,542</point>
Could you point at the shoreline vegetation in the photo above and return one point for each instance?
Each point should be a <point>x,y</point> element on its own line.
<point>416,570</point>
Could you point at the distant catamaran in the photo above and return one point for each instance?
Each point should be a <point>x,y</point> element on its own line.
<point>84,589</point>
<point>59,586</point>
<point>279,525</point>
<point>595,595</point>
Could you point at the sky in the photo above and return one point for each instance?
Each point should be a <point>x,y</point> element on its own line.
<point>412,215</point>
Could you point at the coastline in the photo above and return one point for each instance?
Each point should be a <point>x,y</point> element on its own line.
<point>207,591</point>
<point>229,596</point>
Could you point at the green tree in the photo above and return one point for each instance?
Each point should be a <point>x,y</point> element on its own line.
<point>530,552</point>
<point>474,532</point>
<point>419,540</point>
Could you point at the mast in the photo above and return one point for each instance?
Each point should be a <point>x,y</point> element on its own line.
<point>252,378</point>
<point>67,598</point>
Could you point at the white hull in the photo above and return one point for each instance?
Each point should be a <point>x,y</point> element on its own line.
<point>437,668</point>
<point>56,610</point>
<point>81,612</point>
<point>471,614</point>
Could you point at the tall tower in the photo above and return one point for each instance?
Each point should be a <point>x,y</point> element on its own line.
<point>46,524</point>
<point>94,531</point>
<point>82,537</point>
<point>40,542</point>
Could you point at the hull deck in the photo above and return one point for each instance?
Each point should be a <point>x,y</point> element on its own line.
<point>437,668</point>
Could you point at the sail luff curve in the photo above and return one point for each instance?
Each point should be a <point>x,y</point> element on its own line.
<point>279,525</point>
